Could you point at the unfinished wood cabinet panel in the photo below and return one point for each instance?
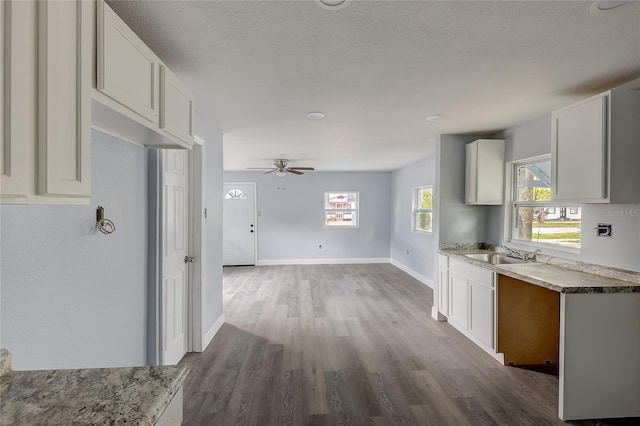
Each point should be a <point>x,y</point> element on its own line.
<point>64,98</point>
<point>528,323</point>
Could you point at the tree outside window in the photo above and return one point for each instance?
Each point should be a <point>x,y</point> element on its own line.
<point>535,217</point>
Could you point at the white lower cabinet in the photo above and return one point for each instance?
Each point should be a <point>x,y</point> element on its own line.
<point>458,300</point>
<point>482,313</point>
<point>472,303</point>
<point>443,285</point>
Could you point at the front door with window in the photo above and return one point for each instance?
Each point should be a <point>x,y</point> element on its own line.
<point>239,230</point>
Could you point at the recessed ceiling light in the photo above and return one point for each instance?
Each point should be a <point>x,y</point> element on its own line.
<point>315,115</point>
<point>435,117</point>
<point>332,4</point>
<point>605,5</point>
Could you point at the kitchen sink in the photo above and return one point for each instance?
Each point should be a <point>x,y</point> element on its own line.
<point>495,258</point>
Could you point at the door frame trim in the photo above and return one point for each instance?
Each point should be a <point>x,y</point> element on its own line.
<point>196,245</point>
<point>196,274</point>
<point>255,216</point>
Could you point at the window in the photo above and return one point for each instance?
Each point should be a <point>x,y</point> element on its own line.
<point>341,209</point>
<point>422,208</point>
<point>535,218</point>
<point>235,194</point>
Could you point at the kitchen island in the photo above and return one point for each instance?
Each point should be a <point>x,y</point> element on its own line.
<point>101,396</point>
<point>596,327</point>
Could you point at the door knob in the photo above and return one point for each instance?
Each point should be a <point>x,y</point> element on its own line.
<point>188,259</point>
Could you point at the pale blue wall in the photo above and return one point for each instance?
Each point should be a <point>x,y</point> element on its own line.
<point>533,138</point>
<point>458,222</point>
<point>72,297</point>
<point>291,224</point>
<point>212,281</point>
<point>421,246</point>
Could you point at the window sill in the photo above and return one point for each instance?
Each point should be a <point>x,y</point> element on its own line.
<point>524,245</point>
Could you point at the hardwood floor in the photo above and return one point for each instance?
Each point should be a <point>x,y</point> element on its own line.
<point>351,344</point>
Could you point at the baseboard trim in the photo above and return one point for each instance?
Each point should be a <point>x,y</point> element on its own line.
<point>423,279</point>
<point>330,261</point>
<point>209,335</point>
<point>436,315</point>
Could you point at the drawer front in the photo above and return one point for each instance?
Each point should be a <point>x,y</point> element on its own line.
<point>475,273</point>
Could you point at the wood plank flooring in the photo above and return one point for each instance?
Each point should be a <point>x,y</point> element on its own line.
<point>352,345</point>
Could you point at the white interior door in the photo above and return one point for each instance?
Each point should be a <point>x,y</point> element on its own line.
<point>239,230</point>
<point>175,279</point>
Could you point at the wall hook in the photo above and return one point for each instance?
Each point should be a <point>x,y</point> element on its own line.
<point>103,225</point>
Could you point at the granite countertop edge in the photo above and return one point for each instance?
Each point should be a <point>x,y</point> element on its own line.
<point>517,272</point>
<point>92,396</point>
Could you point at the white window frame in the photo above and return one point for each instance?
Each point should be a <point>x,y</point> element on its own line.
<point>355,211</point>
<point>511,206</point>
<point>415,210</point>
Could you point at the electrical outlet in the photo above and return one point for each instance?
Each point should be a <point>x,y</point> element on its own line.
<point>407,252</point>
<point>604,230</point>
<point>319,246</point>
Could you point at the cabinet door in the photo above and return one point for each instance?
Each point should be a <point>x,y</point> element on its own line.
<point>458,296</point>
<point>64,108</point>
<point>443,292</point>
<point>127,70</point>
<point>579,151</point>
<point>17,95</point>
<point>471,173</point>
<point>482,313</point>
<point>176,106</point>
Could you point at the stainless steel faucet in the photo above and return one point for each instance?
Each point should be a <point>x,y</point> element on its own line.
<point>515,253</point>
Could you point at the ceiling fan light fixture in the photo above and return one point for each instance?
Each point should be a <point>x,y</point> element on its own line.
<point>281,173</point>
<point>332,4</point>
<point>435,117</point>
<point>606,5</point>
<point>315,115</point>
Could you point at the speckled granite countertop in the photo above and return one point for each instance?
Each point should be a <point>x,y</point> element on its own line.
<point>555,277</point>
<point>104,396</point>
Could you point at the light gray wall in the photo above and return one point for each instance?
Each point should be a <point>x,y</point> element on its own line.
<point>533,138</point>
<point>458,222</point>
<point>212,280</point>
<point>72,297</point>
<point>291,224</point>
<point>421,246</point>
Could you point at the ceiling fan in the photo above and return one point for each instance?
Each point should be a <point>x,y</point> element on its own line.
<point>281,168</point>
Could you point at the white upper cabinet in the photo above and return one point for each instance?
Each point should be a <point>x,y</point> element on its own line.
<point>594,149</point>
<point>127,70</point>
<point>45,153</point>
<point>137,97</point>
<point>484,172</point>
<point>17,97</point>
<point>176,106</point>
<point>64,98</point>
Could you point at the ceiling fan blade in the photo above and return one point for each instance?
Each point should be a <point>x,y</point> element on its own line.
<point>270,171</point>
<point>301,168</point>
<point>295,172</point>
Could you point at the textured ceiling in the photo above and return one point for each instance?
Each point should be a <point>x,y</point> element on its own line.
<point>378,68</point>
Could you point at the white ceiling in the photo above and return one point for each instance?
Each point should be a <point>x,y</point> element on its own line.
<point>378,68</point>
